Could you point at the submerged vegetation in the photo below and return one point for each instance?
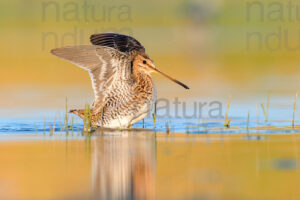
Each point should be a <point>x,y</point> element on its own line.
<point>201,125</point>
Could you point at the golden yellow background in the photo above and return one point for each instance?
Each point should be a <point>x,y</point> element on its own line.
<point>202,43</point>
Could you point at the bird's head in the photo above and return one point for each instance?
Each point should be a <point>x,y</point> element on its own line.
<point>146,65</point>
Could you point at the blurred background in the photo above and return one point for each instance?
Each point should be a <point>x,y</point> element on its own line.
<point>217,47</point>
<point>246,49</point>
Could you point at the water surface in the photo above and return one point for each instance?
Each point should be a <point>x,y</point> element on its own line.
<point>173,158</point>
<point>127,165</point>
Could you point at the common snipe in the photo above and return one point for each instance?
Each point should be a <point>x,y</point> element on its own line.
<point>121,77</point>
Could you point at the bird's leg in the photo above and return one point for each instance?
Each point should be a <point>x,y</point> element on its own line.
<point>80,113</point>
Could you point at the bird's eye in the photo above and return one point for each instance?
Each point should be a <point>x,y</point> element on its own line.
<point>144,62</point>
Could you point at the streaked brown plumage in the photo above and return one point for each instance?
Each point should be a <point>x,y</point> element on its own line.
<point>121,77</point>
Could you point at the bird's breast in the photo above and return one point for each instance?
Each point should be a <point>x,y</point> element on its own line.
<point>129,102</point>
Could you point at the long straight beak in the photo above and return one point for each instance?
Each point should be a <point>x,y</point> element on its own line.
<point>169,77</point>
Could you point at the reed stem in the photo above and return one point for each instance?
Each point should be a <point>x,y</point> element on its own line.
<point>294,110</point>
<point>66,117</point>
<point>248,119</point>
<point>154,115</point>
<point>227,122</point>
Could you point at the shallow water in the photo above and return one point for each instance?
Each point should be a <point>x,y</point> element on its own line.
<point>189,120</point>
<point>198,158</point>
<point>150,166</point>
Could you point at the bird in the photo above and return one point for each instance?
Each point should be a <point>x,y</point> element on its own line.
<point>121,74</point>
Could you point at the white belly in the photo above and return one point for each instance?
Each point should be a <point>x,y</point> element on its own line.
<point>127,121</point>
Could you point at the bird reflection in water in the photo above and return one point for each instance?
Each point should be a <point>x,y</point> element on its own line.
<point>123,166</point>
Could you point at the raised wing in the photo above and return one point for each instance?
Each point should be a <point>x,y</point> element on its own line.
<point>104,65</point>
<point>123,43</point>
